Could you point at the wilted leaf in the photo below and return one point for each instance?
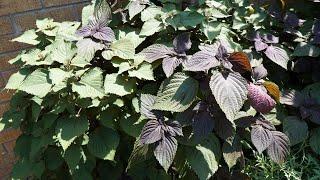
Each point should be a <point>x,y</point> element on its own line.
<point>273,90</point>
<point>240,62</point>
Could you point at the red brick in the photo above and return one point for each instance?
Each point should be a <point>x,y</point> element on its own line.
<point>7,137</point>
<point>49,3</point>
<point>5,95</point>
<point>4,65</point>
<point>2,82</point>
<point>3,108</point>
<point>14,6</point>
<point>7,45</point>
<point>6,74</point>
<point>6,26</point>
<point>79,8</point>
<point>10,146</point>
<point>28,20</point>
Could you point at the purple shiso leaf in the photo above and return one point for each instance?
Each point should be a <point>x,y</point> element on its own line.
<point>259,99</point>
<point>254,36</point>
<point>98,30</point>
<point>169,64</point>
<point>259,72</point>
<point>201,61</point>
<point>269,38</point>
<point>291,20</point>
<point>303,64</point>
<point>146,103</point>
<point>84,31</point>
<point>165,151</point>
<point>261,137</point>
<point>222,52</point>
<point>279,148</point>
<point>151,132</point>
<point>260,46</point>
<point>316,39</point>
<point>156,51</point>
<point>104,33</point>
<point>315,114</point>
<point>292,98</point>
<point>226,64</point>
<point>316,27</point>
<point>278,56</point>
<point>182,43</point>
<point>203,124</point>
<point>102,11</point>
<point>174,128</point>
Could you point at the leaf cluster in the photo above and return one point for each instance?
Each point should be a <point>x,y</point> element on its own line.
<point>165,89</point>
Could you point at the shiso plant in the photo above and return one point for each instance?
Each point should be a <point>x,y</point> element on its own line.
<point>162,89</point>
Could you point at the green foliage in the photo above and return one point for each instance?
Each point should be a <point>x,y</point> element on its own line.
<point>169,90</point>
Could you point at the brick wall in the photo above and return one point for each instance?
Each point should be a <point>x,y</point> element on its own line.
<point>17,16</point>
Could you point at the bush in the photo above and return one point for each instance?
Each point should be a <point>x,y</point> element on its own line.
<point>165,89</point>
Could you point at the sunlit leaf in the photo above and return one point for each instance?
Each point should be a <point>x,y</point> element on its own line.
<point>230,92</point>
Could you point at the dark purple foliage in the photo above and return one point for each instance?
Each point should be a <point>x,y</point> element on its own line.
<point>98,30</point>
<point>202,60</point>
<point>265,137</point>
<point>172,57</point>
<point>155,130</point>
<point>259,72</point>
<point>291,20</point>
<point>182,43</point>
<point>98,25</point>
<point>261,42</point>
<point>308,106</point>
